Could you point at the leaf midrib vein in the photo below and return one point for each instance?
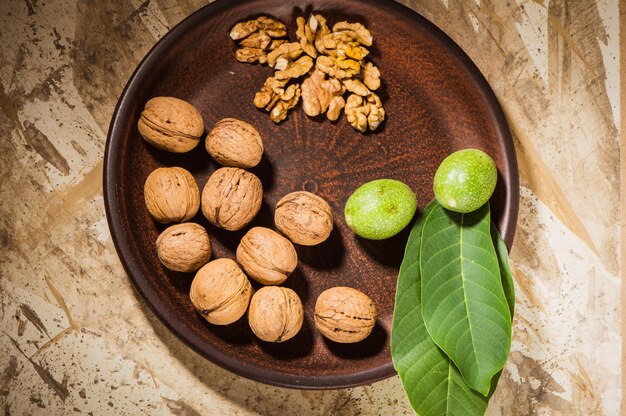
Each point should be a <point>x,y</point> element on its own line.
<point>469,322</point>
<point>448,390</point>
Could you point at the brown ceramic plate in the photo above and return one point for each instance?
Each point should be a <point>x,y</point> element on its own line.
<point>437,102</point>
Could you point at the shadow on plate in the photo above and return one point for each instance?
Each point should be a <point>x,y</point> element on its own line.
<point>298,346</point>
<point>195,161</point>
<point>265,171</point>
<point>390,251</point>
<point>327,255</point>
<point>238,333</point>
<point>369,347</point>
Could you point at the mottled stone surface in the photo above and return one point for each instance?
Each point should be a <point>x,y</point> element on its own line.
<point>75,337</point>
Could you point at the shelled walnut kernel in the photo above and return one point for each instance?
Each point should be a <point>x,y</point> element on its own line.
<point>319,68</point>
<point>257,38</point>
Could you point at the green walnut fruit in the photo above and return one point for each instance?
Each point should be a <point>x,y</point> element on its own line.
<point>465,180</point>
<point>380,209</point>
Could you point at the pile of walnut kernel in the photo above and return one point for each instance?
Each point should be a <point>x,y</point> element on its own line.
<point>321,67</point>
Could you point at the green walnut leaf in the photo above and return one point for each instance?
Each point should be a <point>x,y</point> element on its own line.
<point>505,269</point>
<point>464,306</point>
<point>433,384</point>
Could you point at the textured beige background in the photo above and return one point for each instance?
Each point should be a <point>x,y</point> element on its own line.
<point>76,339</point>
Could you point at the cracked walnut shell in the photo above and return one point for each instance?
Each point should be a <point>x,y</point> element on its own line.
<point>276,314</point>
<point>304,218</point>
<point>235,143</point>
<point>231,198</point>
<point>171,124</point>
<point>266,256</point>
<point>344,314</point>
<point>220,292</point>
<point>171,195</point>
<point>184,247</point>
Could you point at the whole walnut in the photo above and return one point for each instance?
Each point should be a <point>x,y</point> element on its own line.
<point>220,292</point>
<point>235,143</point>
<point>171,124</point>
<point>171,195</point>
<point>275,314</point>
<point>344,314</point>
<point>231,198</point>
<point>184,247</point>
<point>266,256</point>
<point>304,218</point>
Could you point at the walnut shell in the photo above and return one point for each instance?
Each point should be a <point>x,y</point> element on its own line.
<point>304,218</point>
<point>235,143</point>
<point>275,314</point>
<point>231,198</point>
<point>344,314</point>
<point>171,195</point>
<point>266,256</point>
<point>184,247</point>
<point>171,124</point>
<point>220,292</point>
